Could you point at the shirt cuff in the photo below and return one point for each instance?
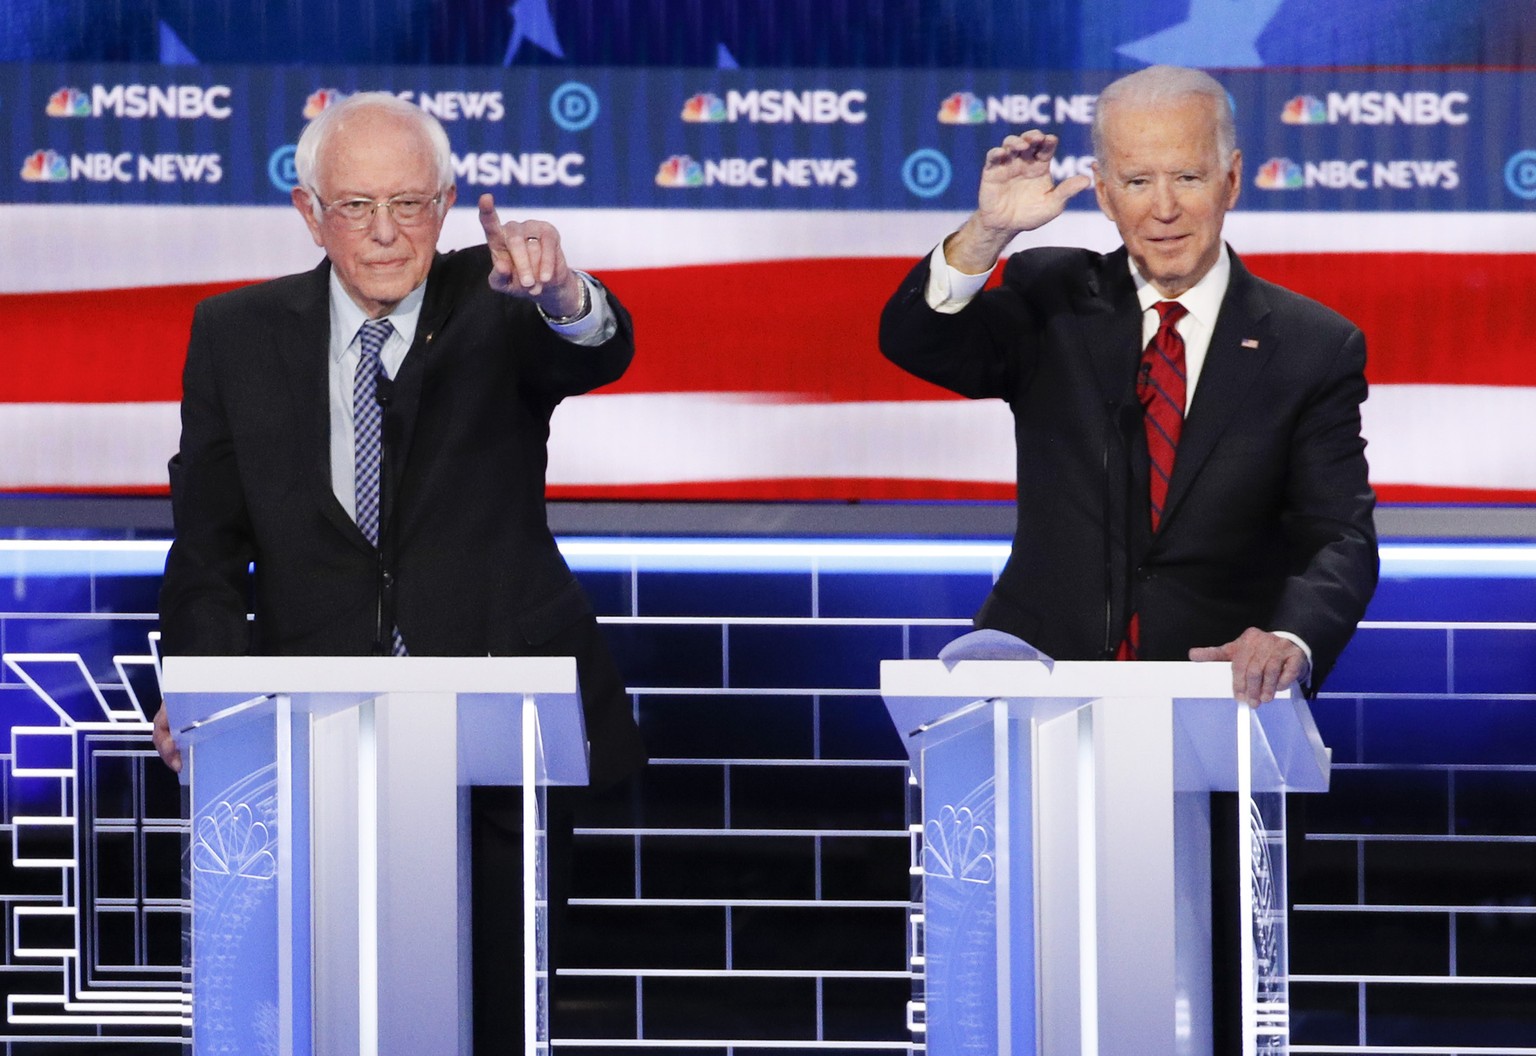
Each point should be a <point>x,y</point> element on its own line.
<point>950,289</point>
<point>597,326</point>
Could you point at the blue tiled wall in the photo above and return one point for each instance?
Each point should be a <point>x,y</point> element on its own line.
<point>755,890</point>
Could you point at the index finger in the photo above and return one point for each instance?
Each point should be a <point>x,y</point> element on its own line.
<point>495,237</point>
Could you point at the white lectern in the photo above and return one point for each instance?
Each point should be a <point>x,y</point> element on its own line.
<point>329,866</point>
<point>1065,856</point>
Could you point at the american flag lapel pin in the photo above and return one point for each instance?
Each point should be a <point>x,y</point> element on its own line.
<point>1250,342</point>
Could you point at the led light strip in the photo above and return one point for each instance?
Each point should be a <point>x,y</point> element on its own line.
<point>60,557</point>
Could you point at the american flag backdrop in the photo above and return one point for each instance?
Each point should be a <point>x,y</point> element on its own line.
<point>753,188</point>
<point>758,374</point>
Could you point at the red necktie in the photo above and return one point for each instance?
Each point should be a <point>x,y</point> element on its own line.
<point>1160,385</point>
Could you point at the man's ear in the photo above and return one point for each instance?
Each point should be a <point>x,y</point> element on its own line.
<point>303,202</point>
<point>1099,192</point>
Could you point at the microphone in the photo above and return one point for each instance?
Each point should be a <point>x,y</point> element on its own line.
<point>1143,378</point>
<point>1122,421</point>
<point>1130,415</point>
<point>1114,417</point>
<point>384,390</point>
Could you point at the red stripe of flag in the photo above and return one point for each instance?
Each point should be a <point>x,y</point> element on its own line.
<point>809,327</point>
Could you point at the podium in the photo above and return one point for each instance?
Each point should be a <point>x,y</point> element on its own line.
<point>1065,852</point>
<point>329,858</point>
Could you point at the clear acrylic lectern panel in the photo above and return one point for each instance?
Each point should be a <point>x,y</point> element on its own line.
<point>329,867</point>
<point>1065,851</point>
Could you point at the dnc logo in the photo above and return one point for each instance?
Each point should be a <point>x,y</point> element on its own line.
<point>281,169</point>
<point>1279,174</point>
<point>573,106</point>
<point>69,102</point>
<point>680,170</point>
<point>45,166</point>
<point>704,108</point>
<point>1305,110</point>
<point>962,108</point>
<point>926,173</point>
<point>319,100</point>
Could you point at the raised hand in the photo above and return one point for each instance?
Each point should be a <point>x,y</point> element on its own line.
<point>1017,194</point>
<point>527,261</point>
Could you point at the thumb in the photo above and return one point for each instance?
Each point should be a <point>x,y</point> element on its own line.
<point>1067,188</point>
<point>1209,653</point>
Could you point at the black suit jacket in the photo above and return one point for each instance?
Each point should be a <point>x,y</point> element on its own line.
<point>466,564</point>
<point>1268,521</point>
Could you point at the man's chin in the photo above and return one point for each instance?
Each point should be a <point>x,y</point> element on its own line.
<point>1170,274</point>
<point>386,293</point>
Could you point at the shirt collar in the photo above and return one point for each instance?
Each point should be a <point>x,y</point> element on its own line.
<point>347,318</point>
<point>1202,300</point>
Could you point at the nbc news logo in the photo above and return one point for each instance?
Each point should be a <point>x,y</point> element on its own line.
<point>680,170</point>
<point>962,108</point>
<point>45,166</point>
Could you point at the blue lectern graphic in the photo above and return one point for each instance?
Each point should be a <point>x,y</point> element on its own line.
<point>1065,852</point>
<point>329,864</point>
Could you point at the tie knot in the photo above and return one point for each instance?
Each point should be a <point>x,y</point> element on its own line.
<point>1170,312</point>
<point>372,335</point>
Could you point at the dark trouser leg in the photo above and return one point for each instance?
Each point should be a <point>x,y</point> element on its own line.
<point>1227,887</point>
<point>496,873</point>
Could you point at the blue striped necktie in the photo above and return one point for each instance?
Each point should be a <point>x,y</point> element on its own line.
<point>367,436</point>
<point>367,423</point>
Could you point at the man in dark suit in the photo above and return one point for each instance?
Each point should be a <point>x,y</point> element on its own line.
<point>436,542</point>
<point>1261,548</point>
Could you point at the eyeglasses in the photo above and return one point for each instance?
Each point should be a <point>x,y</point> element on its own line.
<point>405,209</point>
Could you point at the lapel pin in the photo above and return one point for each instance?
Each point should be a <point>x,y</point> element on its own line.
<point>1250,342</point>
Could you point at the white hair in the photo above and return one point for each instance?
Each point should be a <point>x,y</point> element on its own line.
<point>312,140</point>
<point>1164,85</point>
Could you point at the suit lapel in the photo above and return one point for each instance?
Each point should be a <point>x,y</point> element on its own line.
<point>1240,346</point>
<point>305,351</point>
<point>1110,319</point>
<point>437,307</point>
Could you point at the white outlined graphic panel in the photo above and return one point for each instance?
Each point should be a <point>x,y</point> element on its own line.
<point>93,828</point>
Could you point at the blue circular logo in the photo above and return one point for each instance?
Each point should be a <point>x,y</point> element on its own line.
<point>1520,175</point>
<point>574,106</point>
<point>281,170</point>
<point>926,173</point>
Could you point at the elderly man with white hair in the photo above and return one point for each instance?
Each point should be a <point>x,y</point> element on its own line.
<point>362,461</point>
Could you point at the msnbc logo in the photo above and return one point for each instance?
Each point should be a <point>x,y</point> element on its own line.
<point>1279,174</point>
<point>69,102</point>
<point>45,166</point>
<point>680,171</point>
<point>705,107</point>
<point>319,100</point>
<point>1305,110</point>
<point>1379,108</point>
<point>184,102</point>
<point>776,106</point>
<point>962,108</point>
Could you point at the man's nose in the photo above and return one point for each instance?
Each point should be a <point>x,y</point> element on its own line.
<point>382,226</point>
<point>1165,201</point>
